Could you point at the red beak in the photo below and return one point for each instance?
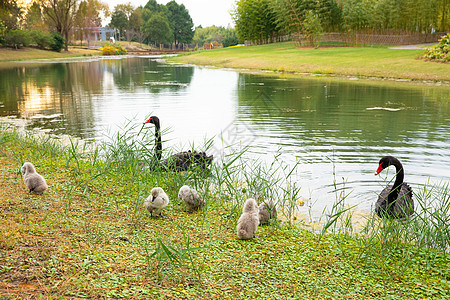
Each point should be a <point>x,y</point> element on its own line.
<point>380,168</point>
<point>148,121</point>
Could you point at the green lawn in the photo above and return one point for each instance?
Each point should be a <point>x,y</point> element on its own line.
<point>347,61</point>
<point>9,54</point>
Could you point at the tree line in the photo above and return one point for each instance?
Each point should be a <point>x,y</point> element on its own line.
<point>263,21</point>
<point>46,21</point>
<point>171,23</point>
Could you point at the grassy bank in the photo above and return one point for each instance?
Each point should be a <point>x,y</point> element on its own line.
<point>346,61</point>
<point>8,54</point>
<point>90,237</point>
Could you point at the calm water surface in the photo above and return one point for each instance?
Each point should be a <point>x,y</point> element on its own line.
<point>334,130</point>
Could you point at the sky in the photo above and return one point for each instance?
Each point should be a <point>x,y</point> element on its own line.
<point>203,12</point>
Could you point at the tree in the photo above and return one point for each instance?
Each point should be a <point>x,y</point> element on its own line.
<point>180,22</point>
<point>10,14</point>
<point>35,18</point>
<point>119,21</point>
<point>312,28</point>
<point>210,34</point>
<point>88,16</point>
<point>158,29</point>
<point>135,20</point>
<point>60,14</point>
<point>255,20</point>
<point>230,38</point>
<point>444,12</point>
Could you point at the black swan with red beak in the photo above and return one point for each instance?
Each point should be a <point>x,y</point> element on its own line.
<point>181,161</point>
<point>395,201</point>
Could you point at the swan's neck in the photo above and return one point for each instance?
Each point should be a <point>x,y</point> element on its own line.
<point>398,181</point>
<point>158,142</point>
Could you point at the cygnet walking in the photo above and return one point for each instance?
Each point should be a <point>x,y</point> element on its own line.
<point>249,220</point>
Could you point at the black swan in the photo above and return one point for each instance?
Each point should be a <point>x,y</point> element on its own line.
<point>181,161</point>
<point>395,201</point>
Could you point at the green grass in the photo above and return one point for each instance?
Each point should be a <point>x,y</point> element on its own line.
<point>8,54</point>
<point>90,237</point>
<point>379,62</point>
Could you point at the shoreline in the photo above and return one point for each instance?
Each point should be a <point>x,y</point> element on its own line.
<point>348,63</point>
<point>280,62</point>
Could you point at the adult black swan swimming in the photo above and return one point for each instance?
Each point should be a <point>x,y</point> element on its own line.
<point>181,161</point>
<point>395,201</point>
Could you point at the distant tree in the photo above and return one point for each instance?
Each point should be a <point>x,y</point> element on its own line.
<point>312,28</point>
<point>35,18</point>
<point>152,7</point>
<point>2,32</point>
<point>126,8</point>
<point>330,14</point>
<point>158,29</point>
<point>10,14</point>
<point>180,22</point>
<point>230,38</point>
<point>444,11</point>
<point>60,14</point>
<point>207,34</point>
<point>88,16</point>
<point>210,34</point>
<point>255,20</point>
<point>119,21</point>
<point>135,20</point>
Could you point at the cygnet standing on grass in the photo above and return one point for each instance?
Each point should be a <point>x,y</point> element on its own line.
<point>34,181</point>
<point>157,200</point>
<point>266,214</point>
<point>249,220</point>
<point>191,198</point>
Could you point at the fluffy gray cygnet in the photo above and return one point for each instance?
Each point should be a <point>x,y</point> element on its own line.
<point>34,181</point>
<point>157,200</point>
<point>249,220</point>
<point>266,214</point>
<point>191,198</point>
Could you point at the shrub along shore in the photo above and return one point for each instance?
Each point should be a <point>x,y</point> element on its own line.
<point>90,237</point>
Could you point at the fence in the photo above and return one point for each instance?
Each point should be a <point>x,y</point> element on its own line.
<point>386,39</point>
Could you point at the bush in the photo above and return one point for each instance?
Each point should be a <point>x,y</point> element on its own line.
<point>17,39</point>
<point>58,42</point>
<point>42,39</point>
<point>113,49</point>
<point>440,51</point>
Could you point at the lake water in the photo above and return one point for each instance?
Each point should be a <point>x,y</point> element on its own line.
<point>334,129</point>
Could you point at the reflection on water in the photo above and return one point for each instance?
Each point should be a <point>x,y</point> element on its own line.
<point>336,131</point>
